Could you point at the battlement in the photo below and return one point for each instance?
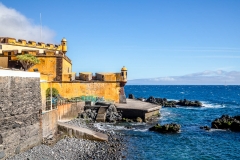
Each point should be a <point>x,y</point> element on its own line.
<point>24,43</point>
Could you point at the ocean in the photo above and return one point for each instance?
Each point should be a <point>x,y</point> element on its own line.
<point>192,142</point>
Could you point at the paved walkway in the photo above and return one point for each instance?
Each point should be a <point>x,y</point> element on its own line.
<point>138,105</point>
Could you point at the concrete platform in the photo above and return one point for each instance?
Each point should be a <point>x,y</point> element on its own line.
<point>135,108</point>
<point>82,133</point>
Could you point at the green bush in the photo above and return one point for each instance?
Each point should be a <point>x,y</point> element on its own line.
<point>55,92</point>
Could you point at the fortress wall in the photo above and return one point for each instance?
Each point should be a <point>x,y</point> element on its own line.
<point>47,68</point>
<point>108,90</point>
<point>20,104</point>
<point>20,48</point>
<point>4,62</point>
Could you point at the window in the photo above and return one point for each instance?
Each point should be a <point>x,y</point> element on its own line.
<point>0,46</point>
<point>122,73</point>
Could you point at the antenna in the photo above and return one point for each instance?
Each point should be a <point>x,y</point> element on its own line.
<point>41,26</point>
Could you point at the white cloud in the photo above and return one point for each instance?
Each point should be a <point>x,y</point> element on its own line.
<point>163,79</point>
<point>14,24</point>
<point>207,73</point>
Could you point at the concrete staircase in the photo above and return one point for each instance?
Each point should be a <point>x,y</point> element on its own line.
<point>101,116</point>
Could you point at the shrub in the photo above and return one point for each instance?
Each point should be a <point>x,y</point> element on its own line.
<point>55,92</point>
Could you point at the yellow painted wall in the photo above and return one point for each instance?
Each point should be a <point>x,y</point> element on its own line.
<point>4,62</point>
<point>46,66</point>
<point>12,40</point>
<point>118,76</point>
<point>106,76</point>
<point>67,69</point>
<point>66,65</point>
<point>110,91</point>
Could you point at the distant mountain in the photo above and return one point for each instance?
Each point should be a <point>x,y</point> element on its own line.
<point>218,77</point>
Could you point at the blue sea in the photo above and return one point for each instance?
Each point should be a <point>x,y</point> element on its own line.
<point>192,142</point>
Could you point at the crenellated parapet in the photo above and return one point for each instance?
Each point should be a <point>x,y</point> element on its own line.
<point>24,43</point>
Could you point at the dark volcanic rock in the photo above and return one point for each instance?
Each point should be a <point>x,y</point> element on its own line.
<point>167,128</point>
<point>112,114</point>
<point>131,96</point>
<point>205,128</point>
<point>227,122</point>
<point>169,104</point>
<point>189,103</point>
<point>88,114</point>
<point>161,101</point>
<point>151,100</point>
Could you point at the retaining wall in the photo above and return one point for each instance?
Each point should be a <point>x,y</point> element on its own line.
<point>63,112</point>
<point>20,108</point>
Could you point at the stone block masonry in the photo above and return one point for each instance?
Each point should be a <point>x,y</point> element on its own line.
<point>20,108</point>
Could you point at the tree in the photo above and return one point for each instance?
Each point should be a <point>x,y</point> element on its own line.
<point>28,60</point>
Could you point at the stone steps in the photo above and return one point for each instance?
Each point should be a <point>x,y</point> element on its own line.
<point>101,116</point>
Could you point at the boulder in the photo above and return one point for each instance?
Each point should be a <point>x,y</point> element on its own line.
<point>167,128</point>
<point>112,115</point>
<point>189,103</point>
<point>138,119</point>
<point>227,122</point>
<point>161,101</point>
<point>169,104</point>
<point>205,128</point>
<point>131,96</point>
<point>151,99</point>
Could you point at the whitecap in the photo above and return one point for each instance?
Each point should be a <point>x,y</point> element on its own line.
<point>212,105</point>
<point>104,127</point>
<point>137,123</point>
<point>214,130</point>
<point>140,130</point>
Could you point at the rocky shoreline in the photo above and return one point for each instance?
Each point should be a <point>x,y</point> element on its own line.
<point>165,103</point>
<point>73,149</point>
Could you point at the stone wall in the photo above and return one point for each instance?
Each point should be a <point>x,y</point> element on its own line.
<point>20,105</point>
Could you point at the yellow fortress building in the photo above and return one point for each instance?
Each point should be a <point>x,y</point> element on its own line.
<point>55,70</point>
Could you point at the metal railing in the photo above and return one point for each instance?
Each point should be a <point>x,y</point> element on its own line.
<point>56,101</point>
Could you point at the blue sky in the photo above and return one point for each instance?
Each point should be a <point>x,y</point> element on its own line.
<point>151,38</point>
